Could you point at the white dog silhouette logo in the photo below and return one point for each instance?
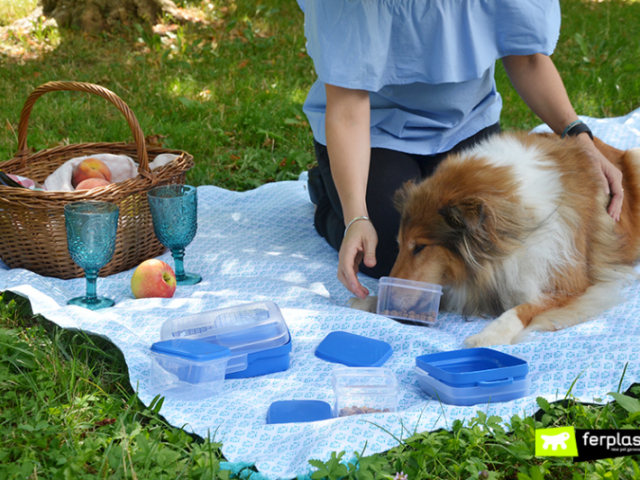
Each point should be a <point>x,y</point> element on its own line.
<point>555,441</point>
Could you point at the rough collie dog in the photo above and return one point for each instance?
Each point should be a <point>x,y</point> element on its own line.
<point>517,228</point>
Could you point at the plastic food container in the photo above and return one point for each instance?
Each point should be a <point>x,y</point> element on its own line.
<point>473,367</point>
<point>360,390</point>
<point>472,376</point>
<point>256,334</point>
<point>415,302</point>
<point>466,396</point>
<point>187,369</point>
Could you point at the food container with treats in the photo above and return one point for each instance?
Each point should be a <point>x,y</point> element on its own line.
<point>256,333</point>
<point>473,376</point>
<point>187,369</point>
<point>359,390</point>
<point>408,300</point>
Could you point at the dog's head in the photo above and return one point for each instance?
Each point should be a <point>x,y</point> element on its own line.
<point>457,223</point>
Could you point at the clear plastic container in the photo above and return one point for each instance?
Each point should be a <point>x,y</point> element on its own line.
<point>187,369</point>
<point>256,333</point>
<point>414,302</point>
<point>499,391</point>
<point>361,390</point>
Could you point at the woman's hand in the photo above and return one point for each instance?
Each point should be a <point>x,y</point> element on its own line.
<point>610,175</point>
<point>359,243</point>
<point>349,146</point>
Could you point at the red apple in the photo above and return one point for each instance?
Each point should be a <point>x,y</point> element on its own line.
<point>90,168</point>
<point>153,278</point>
<point>90,183</point>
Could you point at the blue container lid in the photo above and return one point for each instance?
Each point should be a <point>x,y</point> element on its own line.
<point>353,350</point>
<point>473,366</point>
<point>194,350</point>
<point>292,411</point>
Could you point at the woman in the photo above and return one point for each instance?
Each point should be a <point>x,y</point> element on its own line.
<point>402,83</point>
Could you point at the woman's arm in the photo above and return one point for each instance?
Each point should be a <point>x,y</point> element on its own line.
<point>538,83</point>
<point>347,124</point>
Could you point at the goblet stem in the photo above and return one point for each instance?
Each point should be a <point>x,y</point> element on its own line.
<point>182,277</point>
<point>178,259</point>
<point>92,278</point>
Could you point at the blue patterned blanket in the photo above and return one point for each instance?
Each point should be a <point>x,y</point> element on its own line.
<point>261,245</point>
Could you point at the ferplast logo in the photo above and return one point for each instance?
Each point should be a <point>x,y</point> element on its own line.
<point>556,442</point>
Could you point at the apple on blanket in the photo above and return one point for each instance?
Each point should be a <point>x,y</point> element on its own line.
<point>153,278</point>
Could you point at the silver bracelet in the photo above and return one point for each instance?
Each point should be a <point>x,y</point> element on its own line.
<point>361,217</point>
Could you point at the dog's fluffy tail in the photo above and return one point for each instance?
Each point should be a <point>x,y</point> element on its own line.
<point>596,299</point>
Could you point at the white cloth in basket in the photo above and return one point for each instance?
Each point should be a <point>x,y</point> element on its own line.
<point>122,168</point>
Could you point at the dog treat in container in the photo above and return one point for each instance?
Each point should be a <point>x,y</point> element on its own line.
<point>414,302</point>
<point>256,333</point>
<point>361,390</point>
<point>187,369</point>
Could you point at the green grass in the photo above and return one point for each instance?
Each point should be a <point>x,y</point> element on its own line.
<point>12,10</point>
<point>230,93</point>
<point>67,410</point>
<point>597,59</point>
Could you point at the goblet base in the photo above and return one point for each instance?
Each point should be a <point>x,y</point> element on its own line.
<point>92,304</point>
<point>188,279</point>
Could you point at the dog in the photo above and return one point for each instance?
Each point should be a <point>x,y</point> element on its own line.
<point>517,228</point>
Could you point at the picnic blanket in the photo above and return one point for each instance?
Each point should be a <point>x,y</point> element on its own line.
<point>261,245</point>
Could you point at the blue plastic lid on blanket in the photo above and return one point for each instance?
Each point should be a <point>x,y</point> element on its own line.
<point>193,350</point>
<point>293,411</point>
<point>353,350</point>
<point>481,367</point>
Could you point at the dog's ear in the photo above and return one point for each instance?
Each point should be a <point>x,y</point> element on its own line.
<point>402,195</point>
<point>468,214</point>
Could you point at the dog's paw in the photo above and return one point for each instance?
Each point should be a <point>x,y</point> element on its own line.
<point>486,339</point>
<point>368,304</point>
<point>501,331</point>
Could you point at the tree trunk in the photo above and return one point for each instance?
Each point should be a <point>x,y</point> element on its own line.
<point>96,15</point>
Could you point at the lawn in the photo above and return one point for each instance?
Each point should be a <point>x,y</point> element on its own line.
<point>229,90</point>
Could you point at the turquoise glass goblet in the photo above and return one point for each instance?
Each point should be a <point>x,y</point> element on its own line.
<point>174,210</point>
<point>91,239</point>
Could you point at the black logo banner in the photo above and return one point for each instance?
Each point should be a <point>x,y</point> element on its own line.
<point>598,444</point>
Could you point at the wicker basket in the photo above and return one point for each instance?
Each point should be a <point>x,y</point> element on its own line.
<point>32,225</point>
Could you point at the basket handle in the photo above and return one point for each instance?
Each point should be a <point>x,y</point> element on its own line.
<point>138,136</point>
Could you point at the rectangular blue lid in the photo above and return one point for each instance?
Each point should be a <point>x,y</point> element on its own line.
<point>193,350</point>
<point>353,350</point>
<point>294,411</point>
<point>473,366</point>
